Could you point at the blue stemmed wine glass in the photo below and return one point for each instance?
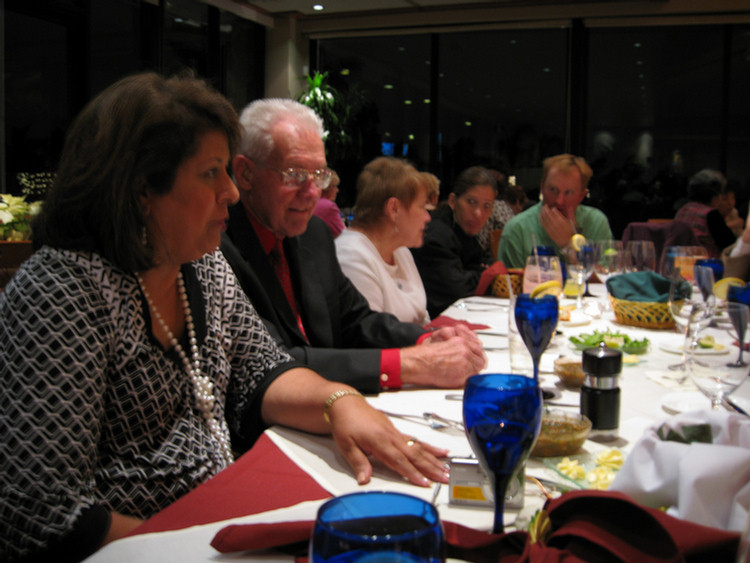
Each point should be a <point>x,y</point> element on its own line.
<point>536,319</point>
<point>739,294</point>
<point>377,527</point>
<point>502,416</point>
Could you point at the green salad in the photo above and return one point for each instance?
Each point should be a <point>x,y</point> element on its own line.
<point>611,340</point>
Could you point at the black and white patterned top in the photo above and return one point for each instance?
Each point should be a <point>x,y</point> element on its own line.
<point>93,413</point>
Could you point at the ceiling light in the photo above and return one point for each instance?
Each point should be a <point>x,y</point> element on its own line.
<point>388,86</point>
<point>318,7</point>
<point>407,102</point>
<point>426,100</point>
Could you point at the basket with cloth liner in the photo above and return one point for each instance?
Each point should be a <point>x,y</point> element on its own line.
<point>642,299</point>
<point>500,284</point>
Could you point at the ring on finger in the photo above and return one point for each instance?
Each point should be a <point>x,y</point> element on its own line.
<point>413,440</point>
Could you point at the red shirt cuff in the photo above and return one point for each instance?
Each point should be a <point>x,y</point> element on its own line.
<point>390,369</point>
<point>424,337</point>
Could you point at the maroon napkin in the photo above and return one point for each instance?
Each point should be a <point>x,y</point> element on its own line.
<point>444,321</point>
<point>488,276</point>
<point>232,493</point>
<point>585,526</point>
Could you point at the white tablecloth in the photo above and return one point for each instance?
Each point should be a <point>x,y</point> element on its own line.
<point>645,387</point>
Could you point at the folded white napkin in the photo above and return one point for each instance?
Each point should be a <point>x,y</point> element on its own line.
<point>707,484</point>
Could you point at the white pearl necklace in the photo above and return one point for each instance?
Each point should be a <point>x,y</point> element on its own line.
<point>202,386</point>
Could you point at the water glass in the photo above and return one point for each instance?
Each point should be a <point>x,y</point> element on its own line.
<point>640,256</point>
<point>540,269</point>
<point>377,527</point>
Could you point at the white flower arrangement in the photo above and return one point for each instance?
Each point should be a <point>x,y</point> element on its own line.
<point>15,217</point>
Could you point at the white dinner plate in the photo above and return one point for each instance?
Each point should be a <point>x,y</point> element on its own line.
<point>683,401</point>
<point>674,349</point>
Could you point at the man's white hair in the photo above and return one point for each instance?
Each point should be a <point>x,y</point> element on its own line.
<point>259,118</point>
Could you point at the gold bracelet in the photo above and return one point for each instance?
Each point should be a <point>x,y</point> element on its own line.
<point>335,396</point>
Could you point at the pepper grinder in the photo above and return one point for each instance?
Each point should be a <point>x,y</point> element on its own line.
<point>600,392</point>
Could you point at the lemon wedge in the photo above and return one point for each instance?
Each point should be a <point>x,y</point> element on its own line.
<point>550,287</point>
<point>721,287</point>
<point>577,241</point>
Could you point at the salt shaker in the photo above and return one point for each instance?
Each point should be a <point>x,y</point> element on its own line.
<point>600,392</point>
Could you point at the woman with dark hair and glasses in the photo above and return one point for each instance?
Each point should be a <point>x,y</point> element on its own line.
<point>132,365</point>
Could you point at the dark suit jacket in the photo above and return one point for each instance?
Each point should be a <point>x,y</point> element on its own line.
<point>450,262</point>
<point>345,335</point>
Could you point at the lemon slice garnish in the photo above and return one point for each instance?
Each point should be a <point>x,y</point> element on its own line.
<point>721,287</point>
<point>577,241</point>
<point>550,287</point>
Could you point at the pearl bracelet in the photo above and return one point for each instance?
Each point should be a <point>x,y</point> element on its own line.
<point>335,396</point>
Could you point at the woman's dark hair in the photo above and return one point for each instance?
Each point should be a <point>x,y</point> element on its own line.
<point>127,141</point>
<point>473,176</point>
<point>705,185</point>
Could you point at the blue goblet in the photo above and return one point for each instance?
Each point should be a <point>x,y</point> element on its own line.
<point>377,527</point>
<point>502,416</point>
<point>716,264</point>
<point>536,319</point>
<point>739,294</point>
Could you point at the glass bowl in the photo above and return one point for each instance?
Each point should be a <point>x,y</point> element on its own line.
<point>562,434</point>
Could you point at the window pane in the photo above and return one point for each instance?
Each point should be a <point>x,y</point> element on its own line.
<point>186,37</point>
<point>504,108</point>
<point>654,116</point>
<point>388,80</point>
<point>738,158</point>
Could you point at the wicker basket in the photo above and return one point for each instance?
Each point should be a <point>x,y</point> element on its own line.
<point>642,314</point>
<point>500,285</point>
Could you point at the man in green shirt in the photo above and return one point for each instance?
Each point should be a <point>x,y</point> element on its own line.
<point>560,215</point>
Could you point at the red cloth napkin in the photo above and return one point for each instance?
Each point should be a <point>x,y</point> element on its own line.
<point>586,526</point>
<point>488,276</point>
<point>442,321</point>
<point>235,492</point>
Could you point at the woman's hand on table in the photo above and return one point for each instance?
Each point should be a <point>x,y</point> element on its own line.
<point>361,431</point>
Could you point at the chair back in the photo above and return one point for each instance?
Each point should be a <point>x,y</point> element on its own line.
<point>495,241</point>
<point>662,233</point>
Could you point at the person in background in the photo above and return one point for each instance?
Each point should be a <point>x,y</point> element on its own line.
<point>327,209</point>
<point>507,205</point>
<point>390,215</point>
<point>736,257</point>
<point>558,216</point>
<point>433,189</point>
<point>286,261</point>
<point>726,204</point>
<point>132,366</point>
<point>705,220</point>
<point>451,262</point>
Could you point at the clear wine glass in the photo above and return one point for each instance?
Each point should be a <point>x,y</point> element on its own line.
<point>611,262</point>
<point>640,256</point>
<point>706,350</point>
<point>502,416</point>
<point>683,297</point>
<point>580,264</point>
<point>738,294</point>
<point>377,527</point>
<point>536,320</point>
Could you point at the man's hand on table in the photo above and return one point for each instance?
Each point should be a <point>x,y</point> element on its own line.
<point>361,431</point>
<point>446,359</point>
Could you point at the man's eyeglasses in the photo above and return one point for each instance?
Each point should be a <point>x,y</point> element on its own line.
<point>296,177</point>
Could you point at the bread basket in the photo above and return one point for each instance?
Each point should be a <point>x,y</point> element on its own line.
<point>500,285</point>
<point>645,314</point>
